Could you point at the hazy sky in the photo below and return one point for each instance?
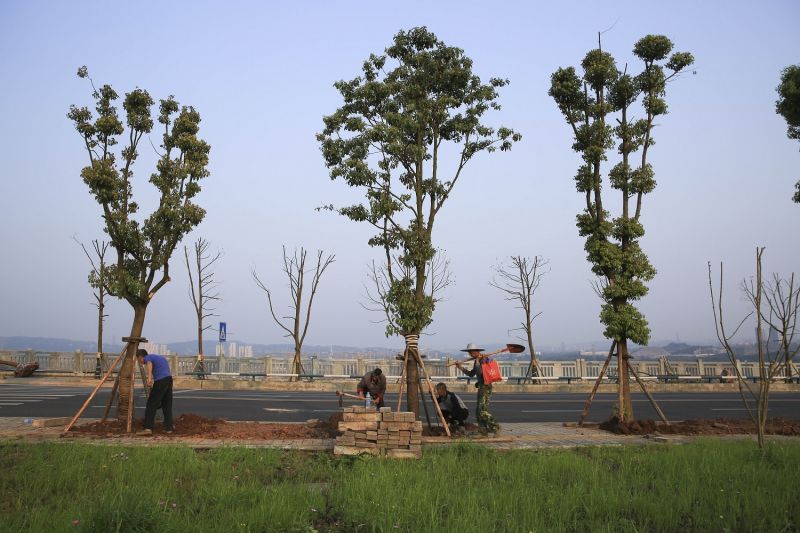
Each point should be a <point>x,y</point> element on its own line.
<point>261,75</point>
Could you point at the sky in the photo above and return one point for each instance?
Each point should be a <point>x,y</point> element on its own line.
<point>261,75</point>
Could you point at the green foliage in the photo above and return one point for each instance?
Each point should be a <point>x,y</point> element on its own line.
<point>788,106</point>
<point>591,103</point>
<point>386,138</point>
<point>143,248</point>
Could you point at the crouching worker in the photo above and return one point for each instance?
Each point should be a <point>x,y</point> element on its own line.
<point>454,410</point>
<point>373,383</point>
<point>159,380</point>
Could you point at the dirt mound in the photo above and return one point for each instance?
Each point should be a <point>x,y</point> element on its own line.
<point>196,426</point>
<point>717,426</point>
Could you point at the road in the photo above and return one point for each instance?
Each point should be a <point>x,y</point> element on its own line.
<point>19,399</point>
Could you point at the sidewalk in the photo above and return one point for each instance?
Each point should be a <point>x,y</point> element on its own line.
<point>513,436</point>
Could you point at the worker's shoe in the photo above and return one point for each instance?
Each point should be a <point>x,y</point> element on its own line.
<point>146,432</point>
<point>169,431</point>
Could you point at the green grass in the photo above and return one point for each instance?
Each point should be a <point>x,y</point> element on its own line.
<point>705,486</point>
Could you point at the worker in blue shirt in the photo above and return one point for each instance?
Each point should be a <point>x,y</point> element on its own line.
<point>159,380</point>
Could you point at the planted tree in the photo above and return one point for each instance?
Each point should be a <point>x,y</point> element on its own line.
<point>97,280</point>
<point>599,107</point>
<point>406,130</point>
<point>776,306</point>
<point>296,324</point>
<point>788,106</point>
<point>143,245</point>
<point>519,280</point>
<point>203,290</point>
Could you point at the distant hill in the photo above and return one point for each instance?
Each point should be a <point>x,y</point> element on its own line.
<point>45,344</point>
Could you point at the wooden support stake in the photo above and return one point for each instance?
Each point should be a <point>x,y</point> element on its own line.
<point>602,373</point>
<point>92,394</point>
<point>131,406</point>
<point>402,380</point>
<point>114,390</point>
<point>649,397</point>
<point>433,393</point>
<point>424,404</point>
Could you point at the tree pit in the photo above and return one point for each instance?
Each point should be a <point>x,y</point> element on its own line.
<point>716,426</point>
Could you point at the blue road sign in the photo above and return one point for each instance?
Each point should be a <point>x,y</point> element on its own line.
<point>223,331</point>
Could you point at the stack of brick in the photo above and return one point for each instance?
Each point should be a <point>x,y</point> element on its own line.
<point>382,433</point>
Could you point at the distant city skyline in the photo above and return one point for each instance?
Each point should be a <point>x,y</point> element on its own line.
<point>261,75</point>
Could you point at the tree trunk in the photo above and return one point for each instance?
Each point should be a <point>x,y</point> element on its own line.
<point>412,374</point>
<point>534,369</point>
<point>297,362</point>
<point>200,365</point>
<point>200,339</point>
<point>624,403</point>
<point>126,374</point>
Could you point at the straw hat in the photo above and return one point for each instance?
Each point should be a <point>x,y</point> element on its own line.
<point>472,347</point>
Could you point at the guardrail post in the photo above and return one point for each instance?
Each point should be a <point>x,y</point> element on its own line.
<point>77,366</point>
<point>221,363</point>
<point>173,364</point>
<point>55,360</point>
<point>268,364</point>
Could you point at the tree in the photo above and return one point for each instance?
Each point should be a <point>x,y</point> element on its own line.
<point>144,248</point>
<point>788,106</point>
<point>776,350</point>
<point>519,281</point>
<point>390,138</point>
<point>589,103</point>
<point>97,280</point>
<point>203,290</point>
<point>295,269</point>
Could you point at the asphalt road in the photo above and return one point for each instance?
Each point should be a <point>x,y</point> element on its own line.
<point>37,401</point>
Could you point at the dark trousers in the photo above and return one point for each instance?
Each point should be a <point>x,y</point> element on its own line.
<point>160,398</point>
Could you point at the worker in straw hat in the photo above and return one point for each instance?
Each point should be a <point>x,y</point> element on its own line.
<point>486,422</point>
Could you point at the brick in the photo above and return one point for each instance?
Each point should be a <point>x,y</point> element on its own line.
<point>386,410</point>
<point>51,422</point>
<point>361,417</point>
<point>352,450</point>
<point>372,435</point>
<point>347,410</point>
<point>358,426</point>
<point>403,454</point>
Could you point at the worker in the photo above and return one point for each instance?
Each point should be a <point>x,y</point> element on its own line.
<point>486,422</point>
<point>453,409</point>
<point>373,383</point>
<point>159,381</point>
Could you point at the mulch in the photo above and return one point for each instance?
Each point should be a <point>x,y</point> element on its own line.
<point>196,426</point>
<point>716,426</point>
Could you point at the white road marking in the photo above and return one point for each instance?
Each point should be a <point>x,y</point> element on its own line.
<point>553,411</point>
<point>8,403</point>
<point>281,410</point>
<point>730,409</point>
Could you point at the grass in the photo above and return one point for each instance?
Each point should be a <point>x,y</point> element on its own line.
<point>708,485</point>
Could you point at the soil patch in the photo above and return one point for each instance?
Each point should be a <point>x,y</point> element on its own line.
<point>716,426</point>
<point>438,431</point>
<point>196,426</point>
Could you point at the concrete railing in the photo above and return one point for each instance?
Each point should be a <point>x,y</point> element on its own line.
<point>80,363</point>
